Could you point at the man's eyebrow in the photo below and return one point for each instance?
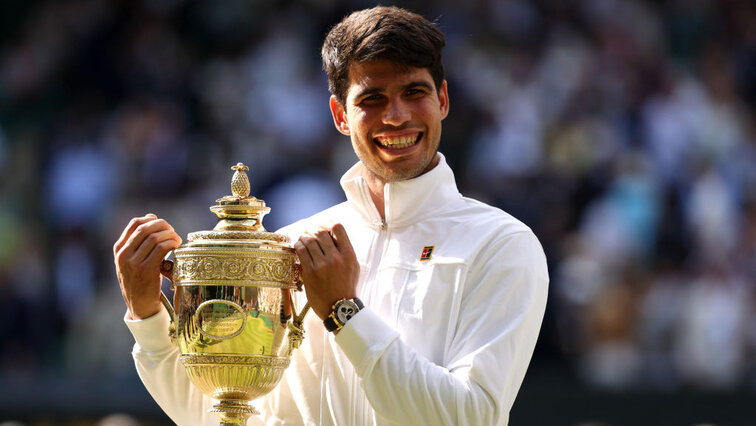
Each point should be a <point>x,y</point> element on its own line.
<point>377,90</point>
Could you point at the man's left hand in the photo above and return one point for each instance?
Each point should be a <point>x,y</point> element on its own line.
<point>329,267</point>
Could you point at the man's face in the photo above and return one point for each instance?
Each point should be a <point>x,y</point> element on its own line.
<point>393,116</point>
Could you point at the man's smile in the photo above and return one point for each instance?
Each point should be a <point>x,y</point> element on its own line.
<point>398,141</point>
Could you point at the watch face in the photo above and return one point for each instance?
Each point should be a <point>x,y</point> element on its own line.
<point>345,310</point>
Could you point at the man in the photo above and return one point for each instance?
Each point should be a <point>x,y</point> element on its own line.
<point>449,292</point>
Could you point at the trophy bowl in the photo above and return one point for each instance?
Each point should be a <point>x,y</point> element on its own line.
<point>232,304</point>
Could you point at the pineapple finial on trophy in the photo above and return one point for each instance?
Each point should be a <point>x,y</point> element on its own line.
<point>240,182</point>
<point>240,211</point>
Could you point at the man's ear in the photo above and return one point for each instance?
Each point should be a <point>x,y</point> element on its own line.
<point>339,116</point>
<point>443,98</point>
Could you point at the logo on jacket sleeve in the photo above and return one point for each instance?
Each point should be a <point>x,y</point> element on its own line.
<point>426,253</point>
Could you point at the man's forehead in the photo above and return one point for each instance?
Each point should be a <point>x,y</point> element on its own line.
<point>378,74</point>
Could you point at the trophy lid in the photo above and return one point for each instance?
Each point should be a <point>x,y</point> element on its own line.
<point>239,215</point>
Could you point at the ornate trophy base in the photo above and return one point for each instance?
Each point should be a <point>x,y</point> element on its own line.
<point>234,380</point>
<point>233,413</point>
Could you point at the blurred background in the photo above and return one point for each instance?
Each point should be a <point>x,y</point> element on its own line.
<point>621,131</point>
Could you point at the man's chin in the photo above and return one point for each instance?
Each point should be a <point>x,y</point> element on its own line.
<point>401,174</point>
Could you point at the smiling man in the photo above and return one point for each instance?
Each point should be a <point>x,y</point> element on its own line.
<point>393,116</point>
<point>427,304</point>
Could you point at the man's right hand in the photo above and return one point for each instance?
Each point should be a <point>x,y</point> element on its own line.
<point>138,256</point>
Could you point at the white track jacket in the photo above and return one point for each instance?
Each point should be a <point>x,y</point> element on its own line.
<point>443,340</point>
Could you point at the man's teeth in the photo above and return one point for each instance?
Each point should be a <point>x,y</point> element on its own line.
<point>398,142</point>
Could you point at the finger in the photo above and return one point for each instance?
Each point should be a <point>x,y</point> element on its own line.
<point>129,229</point>
<point>166,268</point>
<point>304,255</point>
<point>146,251</point>
<point>325,240</point>
<point>142,232</point>
<point>142,253</point>
<point>155,259</point>
<point>313,246</point>
<point>341,238</point>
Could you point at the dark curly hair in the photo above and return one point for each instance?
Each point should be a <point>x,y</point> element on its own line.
<point>381,33</point>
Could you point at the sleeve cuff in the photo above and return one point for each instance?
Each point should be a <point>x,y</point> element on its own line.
<point>364,339</point>
<point>151,334</point>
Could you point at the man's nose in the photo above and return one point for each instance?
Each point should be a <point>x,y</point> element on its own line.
<point>397,113</point>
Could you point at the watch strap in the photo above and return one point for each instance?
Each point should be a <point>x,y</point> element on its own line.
<point>358,302</point>
<point>330,323</point>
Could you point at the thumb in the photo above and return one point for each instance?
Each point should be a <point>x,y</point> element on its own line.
<point>166,268</point>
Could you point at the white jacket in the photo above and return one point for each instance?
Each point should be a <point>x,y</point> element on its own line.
<point>443,341</point>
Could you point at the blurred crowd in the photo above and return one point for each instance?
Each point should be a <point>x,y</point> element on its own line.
<point>622,131</point>
<point>117,419</point>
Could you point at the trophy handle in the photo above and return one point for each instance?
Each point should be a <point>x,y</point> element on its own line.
<point>166,269</point>
<point>296,330</point>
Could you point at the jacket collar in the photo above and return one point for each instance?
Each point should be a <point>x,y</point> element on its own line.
<point>406,201</point>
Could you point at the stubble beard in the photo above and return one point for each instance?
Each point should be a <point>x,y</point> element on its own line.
<point>387,174</point>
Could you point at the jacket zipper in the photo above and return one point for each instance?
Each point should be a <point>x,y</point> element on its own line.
<point>375,255</point>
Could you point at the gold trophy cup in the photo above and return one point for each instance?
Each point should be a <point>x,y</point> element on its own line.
<point>233,303</point>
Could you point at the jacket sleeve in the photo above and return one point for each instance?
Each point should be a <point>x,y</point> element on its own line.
<point>158,366</point>
<point>503,303</point>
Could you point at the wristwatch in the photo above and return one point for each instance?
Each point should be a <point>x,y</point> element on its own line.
<point>341,312</point>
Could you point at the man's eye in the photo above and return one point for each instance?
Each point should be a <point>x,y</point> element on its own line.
<point>371,100</point>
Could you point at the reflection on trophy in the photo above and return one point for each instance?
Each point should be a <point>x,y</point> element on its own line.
<point>233,304</point>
